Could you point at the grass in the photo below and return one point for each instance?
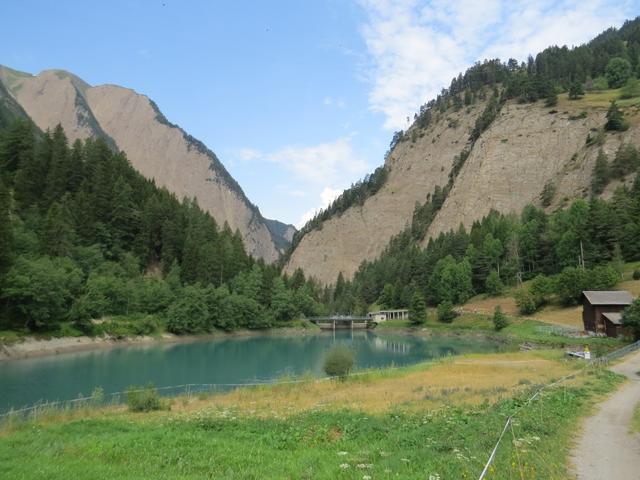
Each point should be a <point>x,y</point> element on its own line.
<point>321,431</point>
<point>597,99</point>
<point>635,420</point>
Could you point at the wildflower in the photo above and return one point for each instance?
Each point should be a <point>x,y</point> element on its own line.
<point>434,476</point>
<point>364,465</point>
<point>366,477</point>
<point>405,460</point>
<point>344,466</point>
<point>342,454</point>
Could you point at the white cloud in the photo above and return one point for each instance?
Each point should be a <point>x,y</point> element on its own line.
<point>330,101</point>
<point>327,196</point>
<point>248,154</point>
<point>323,164</point>
<point>316,174</point>
<point>416,47</point>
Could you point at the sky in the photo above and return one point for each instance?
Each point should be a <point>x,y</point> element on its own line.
<point>299,99</point>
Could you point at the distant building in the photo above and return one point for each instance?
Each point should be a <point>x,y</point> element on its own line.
<point>601,310</point>
<point>384,315</point>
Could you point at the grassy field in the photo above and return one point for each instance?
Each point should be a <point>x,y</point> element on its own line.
<point>597,99</point>
<point>437,420</point>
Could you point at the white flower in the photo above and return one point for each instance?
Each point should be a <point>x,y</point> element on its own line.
<point>342,454</point>
<point>344,466</point>
<point>366,477</point>
<point>364,465</point>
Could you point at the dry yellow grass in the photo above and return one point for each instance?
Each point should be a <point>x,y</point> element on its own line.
<point>632,286</point>
<point>569,316</point>
<point>488,305</point>
<point>465,380</point>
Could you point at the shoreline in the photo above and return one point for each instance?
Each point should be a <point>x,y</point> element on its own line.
<point>32,347</point>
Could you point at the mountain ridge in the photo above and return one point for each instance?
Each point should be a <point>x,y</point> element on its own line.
<point>528,137</point>
<point>56,96</point>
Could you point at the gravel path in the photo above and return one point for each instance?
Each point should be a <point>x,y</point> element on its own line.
<point>606,450</point>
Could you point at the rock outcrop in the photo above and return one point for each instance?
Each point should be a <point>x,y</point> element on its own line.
<point>525,148</point>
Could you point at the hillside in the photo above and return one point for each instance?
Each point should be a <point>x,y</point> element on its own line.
<point>158,149</point>
<point>491,151</point>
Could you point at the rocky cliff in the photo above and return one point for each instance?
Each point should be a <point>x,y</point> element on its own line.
<point>157,148</point>
<point>526,147</point>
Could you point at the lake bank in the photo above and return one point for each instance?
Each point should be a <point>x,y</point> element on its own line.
<point>31,347</point>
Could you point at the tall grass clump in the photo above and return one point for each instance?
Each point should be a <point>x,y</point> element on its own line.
<point>339,362</point>
<point>143,398</point>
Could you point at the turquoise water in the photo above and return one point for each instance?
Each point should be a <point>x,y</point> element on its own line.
<point>227,360</point>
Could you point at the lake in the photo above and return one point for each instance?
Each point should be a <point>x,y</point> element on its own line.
<point>228,360</point>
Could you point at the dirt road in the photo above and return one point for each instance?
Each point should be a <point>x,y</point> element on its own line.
<point>606,450</point>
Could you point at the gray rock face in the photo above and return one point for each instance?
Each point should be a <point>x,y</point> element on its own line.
<point>156,148</point>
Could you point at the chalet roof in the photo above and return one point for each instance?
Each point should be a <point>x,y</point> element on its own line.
<point>610,297</point>
<point>613,317</point>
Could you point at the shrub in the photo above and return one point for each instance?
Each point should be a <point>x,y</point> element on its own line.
<point>446,313</point>
<point>526,302</point>
<point>541,288</point>
<point>143,399</point>
<point>631,318</point>
<point>339,362</point>
<point>636,275</point>
<point>499,319</point>
<point>493,284</point>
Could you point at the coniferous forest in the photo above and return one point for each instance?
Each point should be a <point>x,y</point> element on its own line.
<point>85,237</point>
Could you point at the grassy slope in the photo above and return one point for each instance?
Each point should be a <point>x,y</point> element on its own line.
<point>312,434</point>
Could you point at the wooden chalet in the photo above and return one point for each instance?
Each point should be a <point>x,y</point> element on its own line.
<point>602,310</point>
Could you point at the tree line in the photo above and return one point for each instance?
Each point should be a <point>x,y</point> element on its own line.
<point>567,251</point>
<point>83,236</point>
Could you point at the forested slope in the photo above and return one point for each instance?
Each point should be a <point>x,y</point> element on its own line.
<point>157,148</point>
<point>85,237</point>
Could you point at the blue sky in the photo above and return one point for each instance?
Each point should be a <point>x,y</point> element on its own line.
<point>298,98</point>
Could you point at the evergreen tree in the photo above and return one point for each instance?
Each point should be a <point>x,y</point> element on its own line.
<point>417,309</point>
<point>576,91</point>
<point>615,119</point>
<point>600,174</point>
<point>6,231</point>
<point>618,71</point>
<point>58,236</point>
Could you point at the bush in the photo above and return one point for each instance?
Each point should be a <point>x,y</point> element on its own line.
<point>446,313</point>
<point>493,284</point>
<point>631,318</point>
<point>339,362</point>
<point>499,319</point>
<point>526,302</point>
<point>542,288</point>
<point>143,399</point>
<point>636,275</point>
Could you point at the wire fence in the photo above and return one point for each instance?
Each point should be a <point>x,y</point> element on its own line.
<point>619,353</point>
<point>98,398</point>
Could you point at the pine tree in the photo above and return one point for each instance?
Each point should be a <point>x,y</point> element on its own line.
<point>615,119</point>
<point>58,235</point>
<point>18,142</point>
<point>600,174</point>
<point>6,232</point>
<point>124,215</point>
<point>575,91</point>
<point>417,309</point>
<point>59,167</point>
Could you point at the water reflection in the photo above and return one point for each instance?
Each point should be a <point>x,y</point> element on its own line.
<point>226,360</point>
